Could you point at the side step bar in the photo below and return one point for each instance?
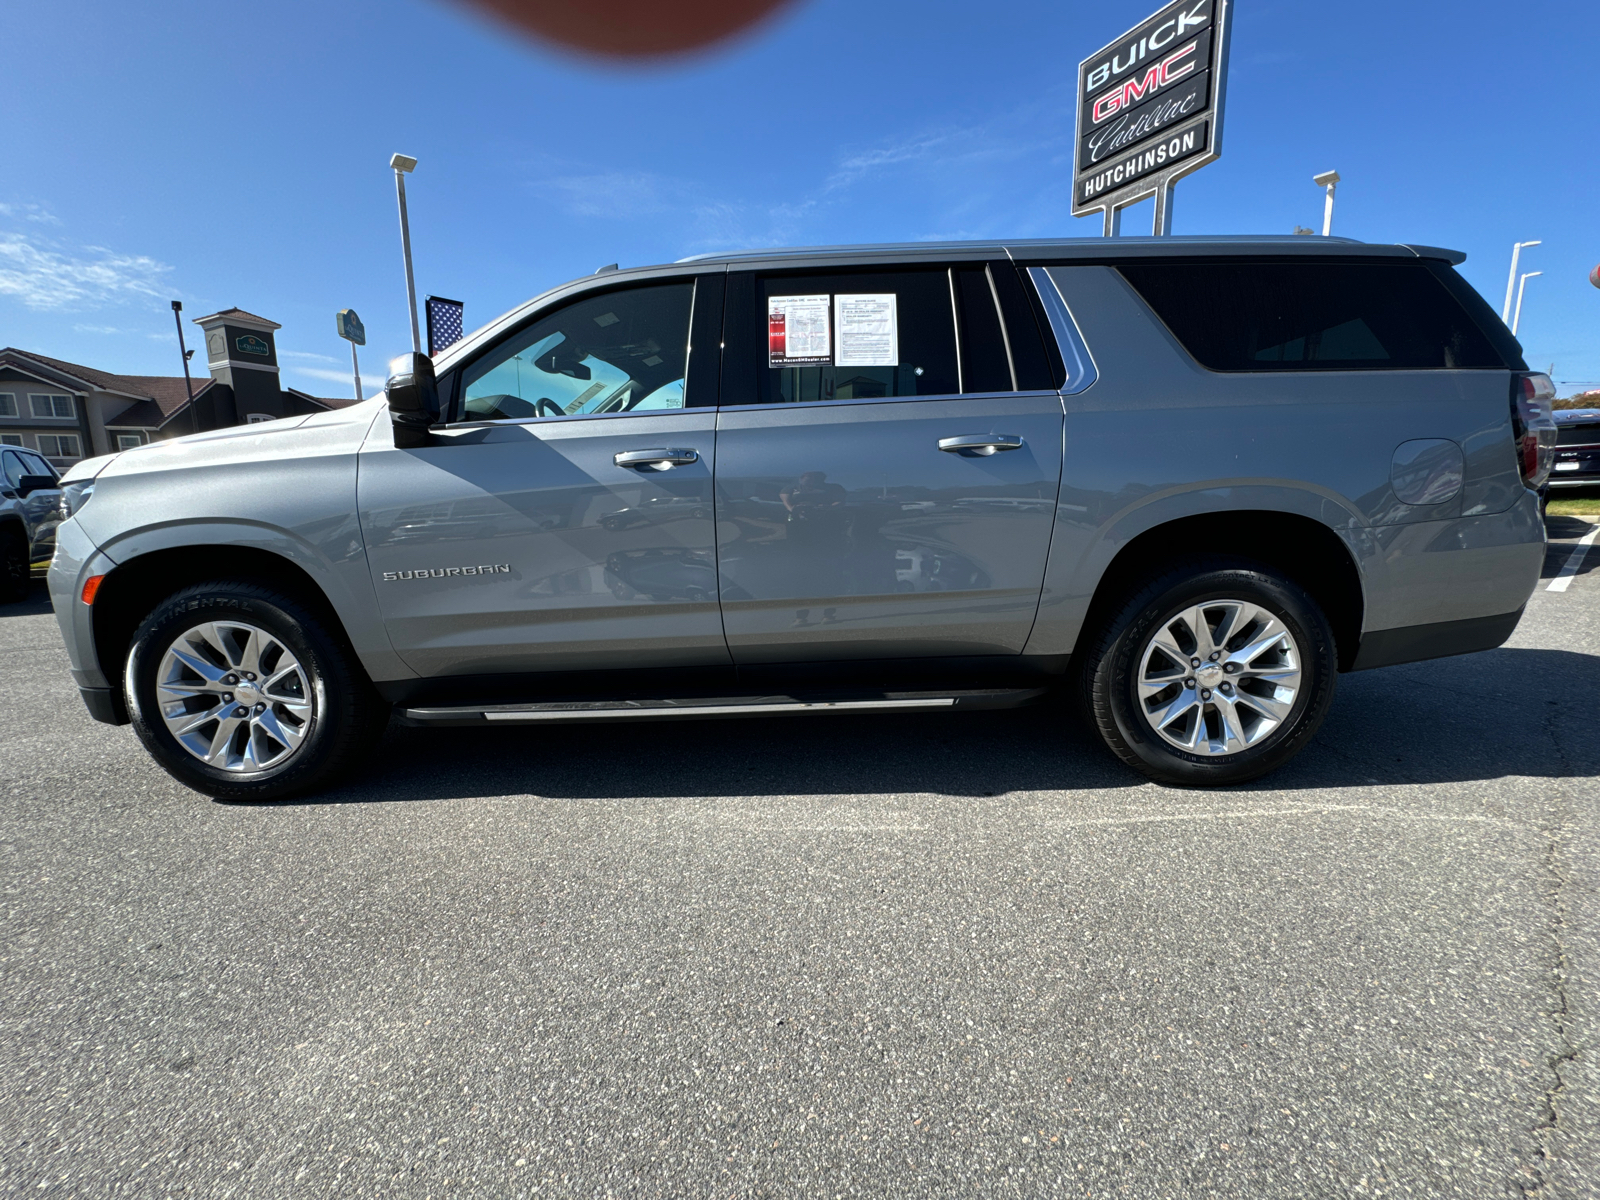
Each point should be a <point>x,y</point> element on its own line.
<point>721,706</point>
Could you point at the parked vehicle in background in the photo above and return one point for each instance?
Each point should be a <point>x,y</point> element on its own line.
<point>30,510</point>
<point>1577,452</point>
<point>1188,480</point>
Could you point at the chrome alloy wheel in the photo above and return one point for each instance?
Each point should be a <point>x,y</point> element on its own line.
<point>235,697</point>
<point>1218,677</point>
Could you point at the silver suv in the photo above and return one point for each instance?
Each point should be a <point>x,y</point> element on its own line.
<point>1189,480</point>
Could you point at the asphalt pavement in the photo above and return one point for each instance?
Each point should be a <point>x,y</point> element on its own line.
<point>920,955</point>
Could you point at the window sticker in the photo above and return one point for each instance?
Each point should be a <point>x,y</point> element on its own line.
<point>797,331</point>
<point>869,332</point>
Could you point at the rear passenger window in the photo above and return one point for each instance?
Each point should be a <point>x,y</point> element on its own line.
<point>1312,316</point>
<point>858,336</point>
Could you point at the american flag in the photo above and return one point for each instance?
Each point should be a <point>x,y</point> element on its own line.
<point>444,323</point>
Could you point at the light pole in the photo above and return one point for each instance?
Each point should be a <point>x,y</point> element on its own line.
<point>188,384</point>
<point>1511,279</point>
<point>1329,180</point>
<point>403,165</point>
<point>1517,315</point>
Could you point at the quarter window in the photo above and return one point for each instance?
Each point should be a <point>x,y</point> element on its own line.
<point>619,352</point>
<point>8,404</point>
<point>1313,316</point>
<point>63,445</point>
<point>51,406</point>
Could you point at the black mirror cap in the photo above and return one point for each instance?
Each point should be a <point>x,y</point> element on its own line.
<point>29,484</point>
<point>413,399</point>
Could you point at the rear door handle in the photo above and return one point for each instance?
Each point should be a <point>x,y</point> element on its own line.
<point>663,459</point>
<point>980,443</point>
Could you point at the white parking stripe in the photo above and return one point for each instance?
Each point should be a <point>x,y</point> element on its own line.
<point>1574,561</point>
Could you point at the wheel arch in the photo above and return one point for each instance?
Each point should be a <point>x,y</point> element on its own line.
<point>1304,549</point>
<point>133,588</point>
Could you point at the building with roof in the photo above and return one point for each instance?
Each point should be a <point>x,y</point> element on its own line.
<point>67,411</point>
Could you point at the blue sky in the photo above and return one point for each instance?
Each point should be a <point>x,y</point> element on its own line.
<point>230,155</point>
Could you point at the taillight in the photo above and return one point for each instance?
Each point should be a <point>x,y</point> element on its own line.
<point>1533,425</point>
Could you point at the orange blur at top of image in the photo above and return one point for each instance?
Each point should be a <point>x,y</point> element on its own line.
<point>632,28</point>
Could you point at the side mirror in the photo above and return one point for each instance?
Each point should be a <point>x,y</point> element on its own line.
<point>413,399</point>
<point>29,484</point>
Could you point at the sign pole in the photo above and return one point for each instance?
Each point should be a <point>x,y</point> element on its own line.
<point>351,330</point>
<point>1163,221</point>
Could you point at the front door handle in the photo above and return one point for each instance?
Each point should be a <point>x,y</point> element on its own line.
<point>980,443</point>
<point>663,459</point>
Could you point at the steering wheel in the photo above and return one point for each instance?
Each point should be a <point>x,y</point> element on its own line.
<point>547,407</point>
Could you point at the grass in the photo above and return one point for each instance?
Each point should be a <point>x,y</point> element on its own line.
<point>1587,505</point>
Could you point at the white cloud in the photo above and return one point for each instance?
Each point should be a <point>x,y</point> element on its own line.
<point>307,355</point>
<point>43,277</point>
<point>370,384</point>
<point>104,329</point>
<point>30,212</point>
<point>621,194</point>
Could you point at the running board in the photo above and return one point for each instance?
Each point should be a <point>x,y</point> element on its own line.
<point>721,706</point>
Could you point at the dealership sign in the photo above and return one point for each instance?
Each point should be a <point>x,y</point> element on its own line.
<point>1150,108</point>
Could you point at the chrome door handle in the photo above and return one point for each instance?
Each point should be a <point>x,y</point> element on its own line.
<point>657,460</point>
<point>980,443</point>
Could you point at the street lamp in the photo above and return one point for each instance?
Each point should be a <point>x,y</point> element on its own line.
<point>403,165</point>
<point>1511,279</point>
<point>1329,180</point>
<point>1521,283</point>
<point>188,384</point>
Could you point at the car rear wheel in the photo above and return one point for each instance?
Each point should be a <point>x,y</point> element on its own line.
<point>1215,673</point>
<point>245,694</point>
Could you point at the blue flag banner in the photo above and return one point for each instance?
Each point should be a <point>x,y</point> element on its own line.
<point>444,323</point>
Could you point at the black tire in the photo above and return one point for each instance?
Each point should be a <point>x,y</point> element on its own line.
<point>349,715</point>
<point>16,576</point>
<point>1107,676</point>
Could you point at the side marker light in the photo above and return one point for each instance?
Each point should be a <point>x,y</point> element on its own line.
<point>91,585</point>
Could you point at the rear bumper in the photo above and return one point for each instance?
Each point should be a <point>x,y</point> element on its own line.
<point>1413,643</point>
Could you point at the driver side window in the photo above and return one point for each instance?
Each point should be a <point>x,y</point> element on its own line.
<point>618,352</point>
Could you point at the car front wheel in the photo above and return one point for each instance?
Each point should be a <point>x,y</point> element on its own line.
<point>1215,673</point>
<point>245,694</point>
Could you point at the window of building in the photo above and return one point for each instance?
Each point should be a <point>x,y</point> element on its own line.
<point>51,406</point>
<point>1313,316</point>
<point>129,441</point>
<point>10,439</point>
<point>58,445</point>
<point>258,418</point>
<point>618,352</point>
<point>8,404</point>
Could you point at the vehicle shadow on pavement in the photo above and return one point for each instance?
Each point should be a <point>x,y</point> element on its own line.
<point>1485,716</point>
<point>37,603</point>
<point>1039,748</point>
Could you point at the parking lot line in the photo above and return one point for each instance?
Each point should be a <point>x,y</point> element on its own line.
<point>1574,561</point>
